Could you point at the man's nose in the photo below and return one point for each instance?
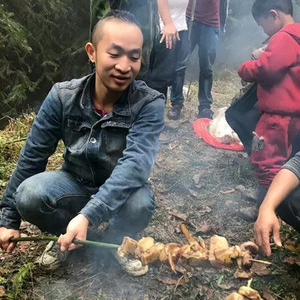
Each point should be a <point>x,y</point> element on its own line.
<point>123,64</point>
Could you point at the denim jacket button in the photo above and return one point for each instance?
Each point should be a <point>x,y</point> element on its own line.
<point>93,140</point>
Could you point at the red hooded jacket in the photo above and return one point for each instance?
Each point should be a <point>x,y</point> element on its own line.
<point>277,72</point>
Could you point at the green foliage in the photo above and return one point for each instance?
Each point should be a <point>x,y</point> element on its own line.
<point>12,139</point>
<point>19,279</point>
<point>42,42</point>
<point>14,49</point>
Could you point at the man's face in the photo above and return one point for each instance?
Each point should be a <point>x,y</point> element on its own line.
<point>117,56</point>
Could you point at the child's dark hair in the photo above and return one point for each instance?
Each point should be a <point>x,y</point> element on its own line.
<point>261,8</point>
<point>119,15</point>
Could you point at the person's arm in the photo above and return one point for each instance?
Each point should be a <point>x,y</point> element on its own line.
<point>271,66</point>
<point>267,222</point>
<point>40,144</point>
<point>170,33</point>
<point>223,14</point>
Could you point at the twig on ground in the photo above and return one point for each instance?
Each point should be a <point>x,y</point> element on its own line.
<point>260,261</point>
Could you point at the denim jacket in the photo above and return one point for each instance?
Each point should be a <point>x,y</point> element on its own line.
<point>115,152</point>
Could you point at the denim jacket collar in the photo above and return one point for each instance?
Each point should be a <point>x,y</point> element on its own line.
<point>121,107</point>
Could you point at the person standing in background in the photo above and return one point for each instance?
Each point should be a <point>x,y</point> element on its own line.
<point>205,20</point>
<point>170,53</point>
<point>145,12</point>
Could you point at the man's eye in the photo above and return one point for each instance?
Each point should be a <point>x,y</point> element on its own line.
<point>114,55</point>
<point>134,58</point>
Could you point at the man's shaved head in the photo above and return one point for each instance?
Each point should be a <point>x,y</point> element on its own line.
<point>113,15</point>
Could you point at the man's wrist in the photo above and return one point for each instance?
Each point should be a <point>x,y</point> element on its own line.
<point>267,206</point>
<point>84,219</point>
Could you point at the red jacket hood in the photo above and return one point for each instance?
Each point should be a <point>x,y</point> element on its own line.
<point>294,30</point>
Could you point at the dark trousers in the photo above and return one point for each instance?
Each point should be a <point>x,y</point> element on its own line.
<point>167,67</point>
<point>243,115</point>
<point>289,209</point>
<point>207,39</point>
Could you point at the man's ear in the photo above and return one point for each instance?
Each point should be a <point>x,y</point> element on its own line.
<point>91,52</point>
<point>273,13</point>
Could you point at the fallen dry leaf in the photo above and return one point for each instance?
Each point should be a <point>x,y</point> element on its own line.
<point>292,261</point>
<point>267,294</point>
<point>203,211</point>
<point>172,281</point>
<point>260,269</point>
<point>243,274</point>
<point>178,215</point>
<point>173,145</point>
<point>201,227</point>
<point>291,246</point>
<point>2,291</point>
<point>193,193</point>
<point>196,178</point>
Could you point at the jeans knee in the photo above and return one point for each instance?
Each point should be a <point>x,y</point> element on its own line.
<point>142,202</point>
<point>28,197</point>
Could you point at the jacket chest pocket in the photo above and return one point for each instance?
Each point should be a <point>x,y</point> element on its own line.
<point>76,134</point>
<point>115,141</point>
<point>115,134</point>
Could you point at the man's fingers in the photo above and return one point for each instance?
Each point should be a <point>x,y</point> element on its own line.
<point>265,247</point>
<point>262,240</point>
<point>10,247</point>
<point>65,240</point>
<point>162,38</point>
<point>276,238</point>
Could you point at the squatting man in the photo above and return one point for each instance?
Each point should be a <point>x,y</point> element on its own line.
<point>109,124</point>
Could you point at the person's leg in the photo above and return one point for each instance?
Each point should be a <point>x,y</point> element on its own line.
<point>161,69</point>
<point>243,115</point>
<point>207,55</point>
<point>50,200</point>
<point>289,209</point>
<point>272,145</point>
<point>181,59</point>
<point>133,216</point>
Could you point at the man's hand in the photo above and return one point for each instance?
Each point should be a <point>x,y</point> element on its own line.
<point>77,229</point>
<point>5,236</point>
<point>267,223</point>
<point>171,35</point>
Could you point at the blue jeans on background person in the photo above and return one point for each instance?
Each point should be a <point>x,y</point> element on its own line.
<point>51,199</point>
<point>207,39</point>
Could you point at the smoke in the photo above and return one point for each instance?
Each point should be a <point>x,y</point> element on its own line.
<point>242,36</point>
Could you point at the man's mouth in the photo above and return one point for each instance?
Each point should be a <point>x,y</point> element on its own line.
<point>121,79</point>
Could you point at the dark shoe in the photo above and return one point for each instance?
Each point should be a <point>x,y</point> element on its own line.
<point>174,112</point>
<point>164,139</point>
<point>171,126</point>
<point>205,113</point>
<point>249,213</point>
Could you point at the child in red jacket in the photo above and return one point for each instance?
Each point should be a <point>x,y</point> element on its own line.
<point>277,72</point>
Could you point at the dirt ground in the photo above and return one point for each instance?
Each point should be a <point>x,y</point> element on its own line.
<point>195,184</point>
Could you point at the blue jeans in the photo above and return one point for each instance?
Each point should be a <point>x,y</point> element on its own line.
<point>207,38</point>
<point>50,200</point>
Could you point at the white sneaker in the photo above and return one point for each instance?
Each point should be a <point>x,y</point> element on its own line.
<point>133,267</point>
<point>52,256</point>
